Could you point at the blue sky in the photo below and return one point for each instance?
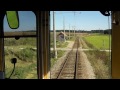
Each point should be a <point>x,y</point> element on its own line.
<point>82,20</point>
<point>27,21</point>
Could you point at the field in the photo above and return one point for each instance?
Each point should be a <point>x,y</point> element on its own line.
<point>100,60</point>
<point>26,67</point>
<point>98,41</point>
<point>22,49</point>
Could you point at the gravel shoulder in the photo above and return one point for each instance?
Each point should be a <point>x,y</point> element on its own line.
<point>86,68</point>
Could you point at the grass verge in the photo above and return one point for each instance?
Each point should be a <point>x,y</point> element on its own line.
<point>101,63</point>
<point>60,53</point>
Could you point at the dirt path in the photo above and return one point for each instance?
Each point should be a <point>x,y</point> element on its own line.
<point>87,70</point>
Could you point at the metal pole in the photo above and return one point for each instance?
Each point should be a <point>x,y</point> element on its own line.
<point>64,27</point>
<point>74,31</point>
<point>69,31</point>
<point>75,23</point>
<point>55,51</point>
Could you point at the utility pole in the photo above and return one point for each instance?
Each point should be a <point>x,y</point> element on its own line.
<point>75,23</point>
<point>74,31</point>
<point>64,27</point>
<point>55,51</point>
<point>69,31</point>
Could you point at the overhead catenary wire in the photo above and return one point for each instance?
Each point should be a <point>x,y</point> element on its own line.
<point>74,12</point>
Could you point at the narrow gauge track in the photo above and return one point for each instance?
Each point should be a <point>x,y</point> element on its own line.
<point>71,67</point>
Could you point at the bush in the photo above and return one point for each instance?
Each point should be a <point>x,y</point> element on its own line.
<point>26,54</point>
<point>6,52</point>
<point>21,41</point>
<point>59,54</point>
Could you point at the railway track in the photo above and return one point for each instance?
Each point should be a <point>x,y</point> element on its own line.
<point>71,67</point>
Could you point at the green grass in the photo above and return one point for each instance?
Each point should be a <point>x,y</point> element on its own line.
<point>26,66</point>
<point>22,72</point>
<point>98,41</point>
<point>61,44</point>
<point>23,68</point>
<point>60,53</point>
<point>26,58</point>
<point>72,38</point>
<point>21,42</point>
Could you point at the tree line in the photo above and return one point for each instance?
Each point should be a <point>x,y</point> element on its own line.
<point>107,31</point>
